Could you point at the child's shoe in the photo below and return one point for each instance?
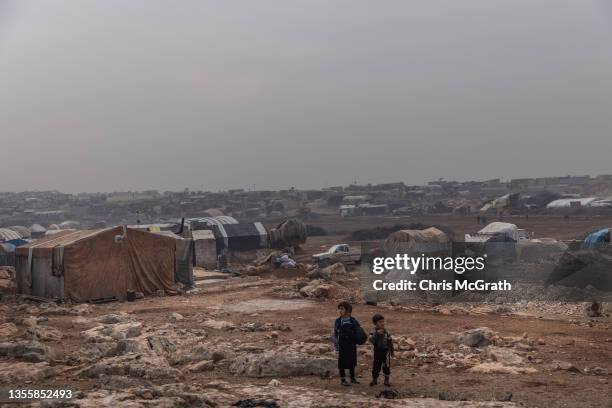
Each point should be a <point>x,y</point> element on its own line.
<point>387,383</point>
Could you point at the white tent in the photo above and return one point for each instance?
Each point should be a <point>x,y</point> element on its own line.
<point>494,228</point>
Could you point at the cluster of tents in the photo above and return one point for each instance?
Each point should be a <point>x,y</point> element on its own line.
<point>588,263</point>
<point>119,262</point>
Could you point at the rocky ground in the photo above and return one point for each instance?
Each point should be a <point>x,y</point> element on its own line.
<point>262,339</point>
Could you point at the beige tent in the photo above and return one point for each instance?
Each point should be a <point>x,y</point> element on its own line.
<point>96,264</point>
<point>417,242</point>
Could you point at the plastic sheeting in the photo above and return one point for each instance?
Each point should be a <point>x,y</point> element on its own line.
<point>597,240</point>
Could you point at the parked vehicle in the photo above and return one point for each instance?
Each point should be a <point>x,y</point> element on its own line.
<point>338,253</point>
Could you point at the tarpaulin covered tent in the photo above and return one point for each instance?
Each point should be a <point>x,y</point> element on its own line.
<point>430,240</point>
<point>183,257</point>
<point>96,264</point>
<point>597,240</point>
<point>289,233</point>
<point>204,249</point>
<point>495,230</point>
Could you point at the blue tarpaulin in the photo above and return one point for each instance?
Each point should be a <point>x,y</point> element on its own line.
<point>597,240</point>
<point>17,242</point>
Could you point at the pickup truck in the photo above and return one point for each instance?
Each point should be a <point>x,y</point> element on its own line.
<point>338,253</point>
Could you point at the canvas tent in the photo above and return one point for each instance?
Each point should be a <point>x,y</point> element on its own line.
<point>100,264</point>
<point>430,240</point>
<point>183,269</point>
<point>204,249</point>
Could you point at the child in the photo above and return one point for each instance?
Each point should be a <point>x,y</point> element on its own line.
<point>383,349</point>
<point>344,341</point>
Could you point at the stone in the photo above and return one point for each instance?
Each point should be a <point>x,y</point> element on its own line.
<point>17,372</point>
<point>44,333</point>
<point>204,365</point>
<point>282,364</point>
<point>317,289</point>
<point>565,366</point>
<point>113,318</point>
<point>8,330</point>
<point>131,365</point>
<point>504,355</point>
<point>112,332</point>
<point>318,274</point>
<point>218,324</point>
<point>479,337</point>
<point>499,368</point>
<point>594,309</point>
<point>31,351</point>
<point>176,317</point>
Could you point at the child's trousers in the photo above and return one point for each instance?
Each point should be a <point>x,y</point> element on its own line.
<point>381,360</point>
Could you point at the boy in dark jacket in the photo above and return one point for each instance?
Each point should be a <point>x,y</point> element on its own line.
<point>344,341</point>
<point>383,349</point>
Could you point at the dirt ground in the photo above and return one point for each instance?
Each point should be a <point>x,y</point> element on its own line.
<point>556,333</point>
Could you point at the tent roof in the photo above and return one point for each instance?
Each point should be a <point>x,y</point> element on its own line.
<point>498,227</point>
<point>567,202</point>
<point>429,235</point>
<point>62,238</point>
<point>7,234</point>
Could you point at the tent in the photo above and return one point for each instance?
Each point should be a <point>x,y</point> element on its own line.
<point>240,237</point>
<point>7,254</point>
<point>597,240</point>
<point>7,234</point>
<point>21,230</point>
<point>183,257</point>
<point>289,233</point>
<point>37,231</point>
<point>92,265</point>
<point>571,202</point>
<point>430,240</point>
<point>495,231</point>
<point>204,249</point>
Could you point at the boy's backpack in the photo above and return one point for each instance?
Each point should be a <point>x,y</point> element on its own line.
<point>360,335</point>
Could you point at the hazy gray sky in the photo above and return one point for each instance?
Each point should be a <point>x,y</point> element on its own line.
<point>115,95</point>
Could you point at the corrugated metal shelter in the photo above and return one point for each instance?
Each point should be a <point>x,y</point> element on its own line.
<point>96,264</point>
<point>430,240</point>
<point>205,249</point>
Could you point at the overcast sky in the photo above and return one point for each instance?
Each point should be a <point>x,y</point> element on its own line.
<point>116,95</point>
